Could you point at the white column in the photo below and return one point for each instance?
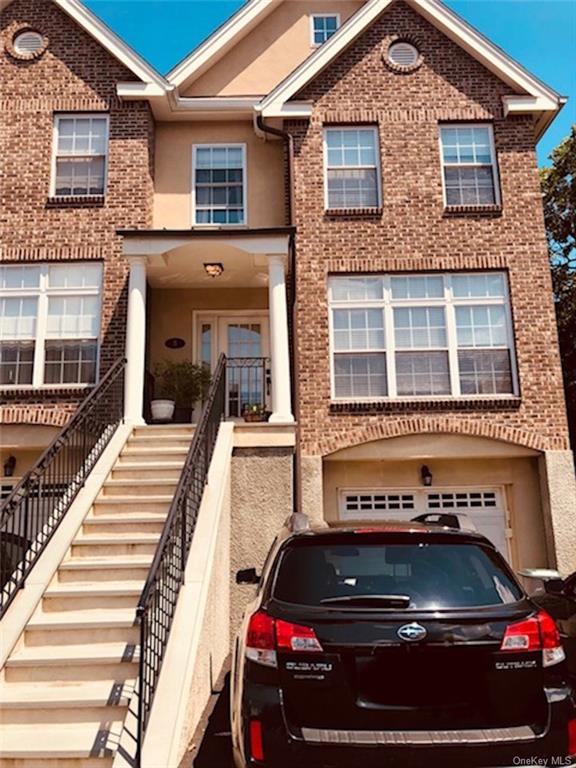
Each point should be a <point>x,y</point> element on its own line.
<point>135,342</point>
<point>279,349</point>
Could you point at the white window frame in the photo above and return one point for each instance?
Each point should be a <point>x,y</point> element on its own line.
<point>448,302</point>
<point>378,166</point>
<point>420,495</point>
<point>66,116</point>
<point>231,145</point>
<point>493,162</point>
<point>313,16</point>
<point>42,293</point>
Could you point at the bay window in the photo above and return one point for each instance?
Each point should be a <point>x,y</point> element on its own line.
<point>421,336</point>
<point>49,324</point>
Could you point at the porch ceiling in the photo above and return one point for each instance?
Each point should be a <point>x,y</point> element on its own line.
<point>176,259</point>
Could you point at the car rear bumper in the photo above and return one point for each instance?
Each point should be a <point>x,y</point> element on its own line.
<point>285,747</point>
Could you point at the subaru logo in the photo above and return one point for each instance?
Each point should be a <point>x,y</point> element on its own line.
<point>412,632</point>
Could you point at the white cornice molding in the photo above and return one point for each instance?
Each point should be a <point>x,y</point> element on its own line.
<point>468,38</point>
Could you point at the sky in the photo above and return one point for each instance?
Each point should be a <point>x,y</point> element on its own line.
<point>540,34</point>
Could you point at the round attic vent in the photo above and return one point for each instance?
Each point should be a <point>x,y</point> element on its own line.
<point>28,43</point>
<point>403,55</point>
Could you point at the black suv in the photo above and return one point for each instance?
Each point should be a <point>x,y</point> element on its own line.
<point>398,645</point>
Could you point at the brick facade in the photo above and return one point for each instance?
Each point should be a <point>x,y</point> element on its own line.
<point>74,74</point>
<point>412,232</point>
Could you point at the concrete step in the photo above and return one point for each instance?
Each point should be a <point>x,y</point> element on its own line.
<point>91,661</point>
<point>152,522</point>
<point>63,745</point>
<point>92,701</point>
<point>112,505</point>
<point>161,440</point>
<point>115,545</point>
<point>164,429</point>
<point>143,486</point>
<point>104,569</point>
<point>150,455</point>
<point>89,596</point>
<point>137,470</point>
<point>79,627</point>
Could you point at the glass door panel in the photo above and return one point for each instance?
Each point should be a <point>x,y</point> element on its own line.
<point>247,367</point>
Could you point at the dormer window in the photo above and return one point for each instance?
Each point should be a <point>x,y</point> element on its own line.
<point>323,26</point>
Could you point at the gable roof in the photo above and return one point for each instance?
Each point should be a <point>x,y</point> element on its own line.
<point>534,94</point>
<point>108,39</point>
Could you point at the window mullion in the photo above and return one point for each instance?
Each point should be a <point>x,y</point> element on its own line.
<point>452,335</point>
<point>41,326</point>
<point>389,339</point>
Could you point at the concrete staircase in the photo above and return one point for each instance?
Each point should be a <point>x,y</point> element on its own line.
<point>65,689</point>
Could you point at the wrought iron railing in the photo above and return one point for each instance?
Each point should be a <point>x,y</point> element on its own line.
<point>158,600</point>
<point>38,503</point>
<point>248,384</point>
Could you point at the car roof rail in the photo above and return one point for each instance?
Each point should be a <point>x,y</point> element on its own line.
<point>298,522</point>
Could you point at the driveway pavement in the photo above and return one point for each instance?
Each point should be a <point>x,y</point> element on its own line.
<point>215,749</point>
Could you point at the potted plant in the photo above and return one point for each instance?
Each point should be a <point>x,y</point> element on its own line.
<point>254,412</point>
<point>177,387</point>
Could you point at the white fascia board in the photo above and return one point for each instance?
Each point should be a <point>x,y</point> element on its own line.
<point>519,104</point>
<point>157,246</point>
<point>221,40</point>
<point>139,91</point>
<point>479,47</point>
<point>295,110</point>
<point>111,42</point>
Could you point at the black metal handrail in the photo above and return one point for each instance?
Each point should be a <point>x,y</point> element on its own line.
<point>36,506</point>
<point>248,383</point>
<point>157,603</point>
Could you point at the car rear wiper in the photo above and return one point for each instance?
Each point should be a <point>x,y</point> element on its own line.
<point>389,601</point>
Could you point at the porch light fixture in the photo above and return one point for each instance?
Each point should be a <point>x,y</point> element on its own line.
<point>9,466</point>
<point>426,476</point>
<point>214,270</point>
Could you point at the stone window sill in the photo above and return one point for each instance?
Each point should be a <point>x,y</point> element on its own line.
<point>76,201</point>
<point>427,404</point>
<point>353,213</point>
<point>485,211</point>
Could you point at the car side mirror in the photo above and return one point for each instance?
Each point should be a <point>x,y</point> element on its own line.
<point>552,581</point>
<point>247,576</point>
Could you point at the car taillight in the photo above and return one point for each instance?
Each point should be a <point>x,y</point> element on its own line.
<point>266,636</point>
<point>294,637</point>
<point>261,640</point>
<point>572,738</point>
<point>539,633</point>
<point>256,741</point>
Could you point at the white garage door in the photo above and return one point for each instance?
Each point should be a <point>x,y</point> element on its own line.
<point>484,507</point>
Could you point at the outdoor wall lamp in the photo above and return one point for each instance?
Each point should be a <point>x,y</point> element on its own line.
<point>426,476</point>
<point>9,466</point>
<point>214,270</point>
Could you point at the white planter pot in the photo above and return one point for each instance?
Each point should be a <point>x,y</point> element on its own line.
<point>162,410</point>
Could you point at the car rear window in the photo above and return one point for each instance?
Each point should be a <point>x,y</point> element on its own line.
<point>415,576</point>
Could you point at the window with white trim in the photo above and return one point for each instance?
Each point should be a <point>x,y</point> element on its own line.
<point>219,186</point>
<point>352,166</point>
<point>49,324</point>
<point>323,26</point>
<point>469,165</point>
<point>421,336</point>
<point>80,155</point>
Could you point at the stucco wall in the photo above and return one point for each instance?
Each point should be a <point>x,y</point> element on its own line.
<point>269,52</point>
<point>261,502</point>
<point>173,172</point>
<point>171,314</point>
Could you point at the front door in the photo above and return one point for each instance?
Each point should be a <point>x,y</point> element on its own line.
<point>244,340</point>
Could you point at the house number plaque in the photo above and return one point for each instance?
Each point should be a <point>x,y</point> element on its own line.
<point>175,343</point>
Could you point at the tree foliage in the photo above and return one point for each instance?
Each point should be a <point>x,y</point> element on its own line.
<point>559,195</point>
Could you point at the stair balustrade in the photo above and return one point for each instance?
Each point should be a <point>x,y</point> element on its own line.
<point>38,503</point>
